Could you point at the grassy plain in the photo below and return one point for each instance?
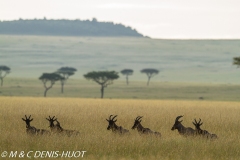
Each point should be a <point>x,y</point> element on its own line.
<point>25,87</point>
<point>208,61</point>
<point>88,116</point>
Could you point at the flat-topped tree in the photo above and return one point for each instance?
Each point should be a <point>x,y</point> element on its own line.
<point>150,73</point>
<point>4,70</point>
<point>103,78</point>
<point>127,72</point>
<point>65,72</point>
<point>49,77</point>
<point>236,61</point>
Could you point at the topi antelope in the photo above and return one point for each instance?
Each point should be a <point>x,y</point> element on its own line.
<point>201,132</point>
<point>141,129</point>
<point>53,127</point>
<point>181,129</point>
<point>66,131</point>
<point>32,130</point>
<point>116,129</point>
<point>56,128</point>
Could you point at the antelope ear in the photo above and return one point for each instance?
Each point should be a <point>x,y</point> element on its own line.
<point>115,121</point>
<point>201,123</point>
<point>107,120</point>
<point>31,119</point>
<point>180,121</point>
<point>140,121</point>
<point>193,123</point>
<point>47,119</point>
<point>23,119</point>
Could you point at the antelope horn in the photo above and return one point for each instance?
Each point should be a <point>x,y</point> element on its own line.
<point>199,120</point>
<point>29,117</point>
<point>110,117</point>
<point>140,117</point>
<point>114,117</point>
<point>178,117</point>
<point>137,117</point>
<point>195,121</point>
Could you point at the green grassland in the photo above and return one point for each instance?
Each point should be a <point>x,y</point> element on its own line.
<point>208,61</point>
<point>189,69</point>
<point>119,90</point>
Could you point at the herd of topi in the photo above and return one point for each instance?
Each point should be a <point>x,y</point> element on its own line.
<point>57,129</point>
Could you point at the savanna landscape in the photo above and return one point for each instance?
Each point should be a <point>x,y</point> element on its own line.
<point>88,116</point>
<point>197,79</point>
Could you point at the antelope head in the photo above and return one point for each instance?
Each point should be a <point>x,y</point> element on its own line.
<point>137,122</point>
<point>197,125</point>
<point>177,122</point>
<point>51,121</point>
<point>27,120</point>
<point>111,122</point>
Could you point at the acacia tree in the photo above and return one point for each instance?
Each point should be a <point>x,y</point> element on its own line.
<point>236,61</point>
<point>127,72</point>
<point>4,70</point>
<point>49,77</point>
<point>65,72</point>
<point>150,73</point>
<point>103,78</point>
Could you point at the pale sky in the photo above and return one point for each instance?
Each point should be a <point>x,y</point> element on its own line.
<point>184,19</point>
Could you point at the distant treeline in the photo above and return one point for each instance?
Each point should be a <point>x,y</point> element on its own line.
<point>65,27</point>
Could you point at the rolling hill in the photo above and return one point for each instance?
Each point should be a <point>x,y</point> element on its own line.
<point>65,27</point>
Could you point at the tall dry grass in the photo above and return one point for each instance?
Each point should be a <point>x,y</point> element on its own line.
<point>89,117</point>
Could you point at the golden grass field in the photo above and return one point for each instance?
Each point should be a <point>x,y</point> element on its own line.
<point>88,116</point>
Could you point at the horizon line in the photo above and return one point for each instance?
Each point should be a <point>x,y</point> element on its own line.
<point>95,19</point>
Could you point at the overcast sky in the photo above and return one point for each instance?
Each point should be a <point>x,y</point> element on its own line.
<point>155,18</point>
